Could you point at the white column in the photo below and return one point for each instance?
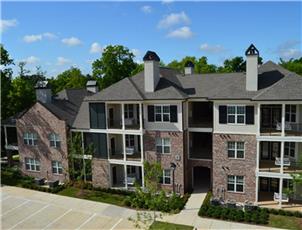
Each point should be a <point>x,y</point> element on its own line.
<point>257,184</point>
<point>108,145</point>
<point>125,173</point>
<point>124,146</point>
<point>83,147</point>
<point>143,176</point>
<point>106,116</point>
<point>140,116</point>
<point>258,119</point>
<point>142,147</point>
<point>83,150</point>
<point>280,192</point>
<point>283,121</point>
<point>123,116</point>
<point>258,156</point>
<point>282,157</point>
<point>5,135</point>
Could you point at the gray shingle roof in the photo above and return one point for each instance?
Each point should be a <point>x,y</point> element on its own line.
<point>274,83</point>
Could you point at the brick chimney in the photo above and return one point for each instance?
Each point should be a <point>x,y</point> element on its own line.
<point>252,55</point>
<point>151,71</point>
<point>43,92</point>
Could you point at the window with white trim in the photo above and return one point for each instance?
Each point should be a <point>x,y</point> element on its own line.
<point>54,140</point>
<point>130,141</point>
<point>166,178</point>
<point>162,113</point>
<point>57,167</point>
<point>129,108</point>
<point>236,114</point>
<point>290,113</point>
<point>32,164</point>
<point>30,138</point>
<point>235,183</point>
<point>289,149</point>
<point>163,145</point>
<point>236,149</point>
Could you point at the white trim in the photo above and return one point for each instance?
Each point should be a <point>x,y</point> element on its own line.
<point>279,138</point>
<point>236,150</point>
<point>200,130</point>
<point>274,175</point>
<point>235,184</point>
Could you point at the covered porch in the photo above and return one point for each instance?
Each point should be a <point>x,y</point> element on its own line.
<point>126,176</point>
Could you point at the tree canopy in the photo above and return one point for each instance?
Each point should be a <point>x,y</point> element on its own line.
<point>294,65</point>
<point>115,64</point>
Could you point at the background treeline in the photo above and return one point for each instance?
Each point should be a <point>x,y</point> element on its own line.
<point>115,63</point>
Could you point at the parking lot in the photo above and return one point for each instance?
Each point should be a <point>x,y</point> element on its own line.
<point>29,209</point>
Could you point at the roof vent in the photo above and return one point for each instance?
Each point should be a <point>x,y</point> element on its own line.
<point>189,67</point>
<point>252,68</point>
<point>92,86</point>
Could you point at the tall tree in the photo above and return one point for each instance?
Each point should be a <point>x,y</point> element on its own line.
<point>294,65</point>
<point>69,79</point>
<point>6,75</point>
<point>202,66</point>
<point>115,64</point>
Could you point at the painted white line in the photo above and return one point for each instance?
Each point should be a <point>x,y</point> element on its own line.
<point>20,205</point>
<point>55,220</point>
<point>86,221</point>
<point>116,224</point>
<point>20,222</point>
<point>5,198</point>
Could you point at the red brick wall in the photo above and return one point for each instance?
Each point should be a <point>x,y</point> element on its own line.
<point>100,173</point>
<point>223,166</point>
<point>165,159</point>
<point>39,120</point>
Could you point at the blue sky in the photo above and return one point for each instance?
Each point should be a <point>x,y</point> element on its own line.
<point>56,35</point>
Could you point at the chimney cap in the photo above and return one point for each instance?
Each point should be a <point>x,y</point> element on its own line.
<point>91,83</point>
<point>151,56</point>
<point>42,85</point>
<point>189,64</point>
<point>252,50</point>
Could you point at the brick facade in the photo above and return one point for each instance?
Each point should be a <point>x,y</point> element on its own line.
<point>223,166</point>
<point>177,150</point>
<point>100,173</point>
<point>42,122</point>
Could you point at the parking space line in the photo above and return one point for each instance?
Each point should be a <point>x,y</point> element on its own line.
<point>55,220</point>
<point>5,198</point>
<point>116,224</point>
<point>86,221</point>
<point>20,205</point>
<point>20,222</point>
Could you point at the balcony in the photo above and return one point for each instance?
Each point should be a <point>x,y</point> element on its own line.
<point>125,176</point>
<point>10,138</point>
<point>200,145</point>
<point>133,147</point>
<point>200,114</point>
<point>271,120</point>
<point>116,150</point>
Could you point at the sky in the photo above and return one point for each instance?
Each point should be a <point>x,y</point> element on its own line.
<point>57,35</point>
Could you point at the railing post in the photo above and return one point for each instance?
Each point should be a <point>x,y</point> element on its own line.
<point>283,121</point>
<point>280,192</point>
<point>282,157</point>
<point>123,116</point>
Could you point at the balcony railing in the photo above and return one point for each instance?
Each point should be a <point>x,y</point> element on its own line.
<point>290,128</point>
<point>132,123</point>
<point>116,154</point>
<point>289,166</point>
<point>115,123</point>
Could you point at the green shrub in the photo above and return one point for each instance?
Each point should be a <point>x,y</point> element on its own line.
<point>224,213</point>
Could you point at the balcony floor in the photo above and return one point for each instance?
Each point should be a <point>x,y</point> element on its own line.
<point>269,166</point>
<point>266,200</point>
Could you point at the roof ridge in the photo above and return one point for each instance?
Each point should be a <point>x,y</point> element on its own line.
<point>137,90</point>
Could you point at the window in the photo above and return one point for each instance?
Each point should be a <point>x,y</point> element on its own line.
<point>128,111</point>
<point>289,149</point>
<point>235,149</point>
<point>163,145</point>
<point>131,170</point>
<point>30,139</point>
<point>236,114</point>
<point>54,140</point>
<point>57,167</point>
<point>162,113</point>
<point>290,113</point>
<point>129,141</point>
<point>235,183</point>
<point>32,164</point>
<point>166,178</point>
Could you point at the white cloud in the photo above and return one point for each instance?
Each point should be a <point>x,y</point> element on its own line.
<point>136,52</point>
<point>49,35</point>
<point>31,60</point>
<point>96,48</point>
<point>212,48</point>
<point>146,9</point>
<point>174,19</point>
<point>63,61</point>
<point>289,49</point>
<point>166,2</point>
<point>183,32</point>
<point>32,38</point>
<point>5,24</point>
<point>72,41</point>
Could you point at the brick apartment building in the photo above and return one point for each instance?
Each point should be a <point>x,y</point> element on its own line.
<point>237,133</point>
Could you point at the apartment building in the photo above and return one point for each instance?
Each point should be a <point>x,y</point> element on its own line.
<point>237,133</point>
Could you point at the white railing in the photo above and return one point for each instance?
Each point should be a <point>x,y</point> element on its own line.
<point>283,199</point>
<point>286,161</point>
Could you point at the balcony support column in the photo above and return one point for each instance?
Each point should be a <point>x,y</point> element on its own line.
<point>124,146</point>
<point>282,157</point>
<point>5,135</point>
<point>123,116</point>
<point>141,116</point>
<point>125,173</point>
<point>256,194</point>
<point>280,192</point>
<point>142,147</point>
<point>257,156</point>
<point>258,119</point>
<point>283,121</point>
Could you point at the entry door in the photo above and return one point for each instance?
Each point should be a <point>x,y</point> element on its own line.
<point>112,145</point>
<point>111,117</point>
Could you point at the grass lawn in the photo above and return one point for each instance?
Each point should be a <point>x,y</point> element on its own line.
<point>286,222</point>
<point>99,196</point>
<point>158,225</point>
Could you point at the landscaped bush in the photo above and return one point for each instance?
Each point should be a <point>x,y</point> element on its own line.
<point>283,212</point>
<point>259,216</point>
